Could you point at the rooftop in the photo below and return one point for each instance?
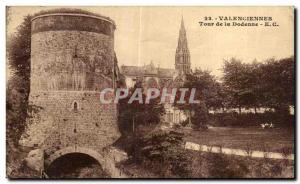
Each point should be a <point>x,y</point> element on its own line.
<point>148,70</point>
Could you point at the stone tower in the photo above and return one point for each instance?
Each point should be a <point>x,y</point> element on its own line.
<point>72,60</point>
<point>182,56</point>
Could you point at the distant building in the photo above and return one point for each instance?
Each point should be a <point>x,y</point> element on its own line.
<point>152,76</point>
<point>149,74</point>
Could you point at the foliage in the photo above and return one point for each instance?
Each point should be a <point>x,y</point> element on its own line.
<point>158,152</point>
<point>208,91</point>
<point>162,153</point>
<point>136,114</point>
<point>208,88</point>
<point>199,118</point>
<point>222,167</point>
<point>278,83</point>
<point>18,49</point>
<point>270,84</point>
<point>240,82</point>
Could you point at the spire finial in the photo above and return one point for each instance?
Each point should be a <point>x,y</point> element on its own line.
<point>182,22</point>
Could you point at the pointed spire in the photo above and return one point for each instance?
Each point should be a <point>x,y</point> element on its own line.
<point>182,23</point>
<point>182,33</point>
<point>182,40</point>
<point>182,56</point>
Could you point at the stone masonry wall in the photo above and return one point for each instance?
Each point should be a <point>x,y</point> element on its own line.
<point>58,125</point>
<point>70,60</point>
<point>70,64</point>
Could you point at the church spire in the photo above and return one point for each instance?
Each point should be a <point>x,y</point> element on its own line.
<point>182,57</point>
<point>182,40</point>
<point>182,28</point>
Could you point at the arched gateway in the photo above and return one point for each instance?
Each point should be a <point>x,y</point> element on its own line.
<point>92,153</point>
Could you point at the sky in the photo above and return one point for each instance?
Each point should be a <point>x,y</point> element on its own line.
<point>146,34</point>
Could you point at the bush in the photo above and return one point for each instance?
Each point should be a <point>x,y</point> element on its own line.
<point>200,117</point>
<point>224,167</point>
<point>161,153</point>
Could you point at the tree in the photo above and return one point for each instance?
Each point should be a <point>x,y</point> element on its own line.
<point>163,153</point>
<point>242,83</point>
<point>233,80</point>
<point>270,84</point>
<point>253,86</point>
<point>135,114</point>
<point>18,49</point>
<point>278,84</point>
<point>208,90</point>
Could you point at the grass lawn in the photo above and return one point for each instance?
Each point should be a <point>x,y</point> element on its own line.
<point>274,140</point>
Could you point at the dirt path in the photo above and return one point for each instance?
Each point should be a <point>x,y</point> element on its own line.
<point>239,152</point>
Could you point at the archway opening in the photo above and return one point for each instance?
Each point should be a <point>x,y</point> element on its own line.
<point>75,165</point>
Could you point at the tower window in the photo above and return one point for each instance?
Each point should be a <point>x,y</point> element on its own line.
<point>75,107</point>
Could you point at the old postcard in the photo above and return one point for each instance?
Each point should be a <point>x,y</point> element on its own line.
<point>150,92</point>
